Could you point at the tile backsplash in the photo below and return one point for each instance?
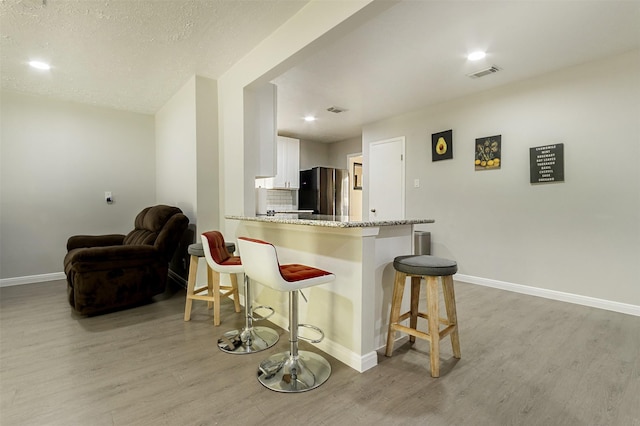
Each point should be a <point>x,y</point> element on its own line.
<point>281,199</point>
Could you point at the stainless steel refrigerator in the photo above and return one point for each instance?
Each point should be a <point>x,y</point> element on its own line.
<point>325,191</point>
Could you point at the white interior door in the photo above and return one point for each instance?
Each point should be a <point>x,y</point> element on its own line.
<point>386,179</point>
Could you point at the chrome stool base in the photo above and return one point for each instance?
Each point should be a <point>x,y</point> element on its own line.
<point>247,341</point>
<point>283,373</point>
<point>250,339</point>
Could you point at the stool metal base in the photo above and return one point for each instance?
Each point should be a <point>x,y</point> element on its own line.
<point>245,341</point>
<point>250,339</point>
<point>283,373</point>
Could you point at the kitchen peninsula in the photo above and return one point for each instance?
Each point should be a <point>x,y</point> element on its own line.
<point>353,311</point>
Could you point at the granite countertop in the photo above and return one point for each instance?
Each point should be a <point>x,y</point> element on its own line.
<point>327,221</point>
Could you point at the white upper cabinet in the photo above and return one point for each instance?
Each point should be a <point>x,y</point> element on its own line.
<point>287,165</point>
<point>260,112</point>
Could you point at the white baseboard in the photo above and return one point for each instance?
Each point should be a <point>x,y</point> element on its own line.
<point>31,279</point>
<point>348,357</point>
<point>593,302</point>
<point>341,353</point>
<point>577,299</point>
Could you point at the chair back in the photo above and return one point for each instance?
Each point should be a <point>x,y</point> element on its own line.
<point>160,226</point>
<point>217,255</point>
<point>261,264</point>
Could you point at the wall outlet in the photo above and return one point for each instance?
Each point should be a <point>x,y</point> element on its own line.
<point>416,183</point>
<point>108,197</point>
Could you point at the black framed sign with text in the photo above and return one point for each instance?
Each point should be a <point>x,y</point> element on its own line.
<point>546,163</point>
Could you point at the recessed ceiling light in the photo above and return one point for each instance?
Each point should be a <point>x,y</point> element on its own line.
<point>40,65</point>
<point>474,56</point>
<point>309,118</point>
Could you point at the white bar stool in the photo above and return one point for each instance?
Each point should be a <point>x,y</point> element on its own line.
<point>293,370</point>
<point>250,339</point>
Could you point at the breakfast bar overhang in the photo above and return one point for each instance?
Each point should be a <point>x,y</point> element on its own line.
<point>352,311</point>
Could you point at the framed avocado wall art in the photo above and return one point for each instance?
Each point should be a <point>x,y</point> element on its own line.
<point>488,153</point>
<point>442,145</point>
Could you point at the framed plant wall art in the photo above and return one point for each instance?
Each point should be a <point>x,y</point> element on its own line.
<point>442,145</point>
<point>488,153</point>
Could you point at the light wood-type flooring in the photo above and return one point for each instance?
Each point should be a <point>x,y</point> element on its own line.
<point>525,361</point>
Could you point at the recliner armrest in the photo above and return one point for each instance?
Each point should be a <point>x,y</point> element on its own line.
<point>79,241</point>
<point>126,253</point>
<point>110,257</point>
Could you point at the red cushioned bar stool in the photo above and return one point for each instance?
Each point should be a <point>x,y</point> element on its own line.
<point>293,370</point>
<point>251,338</point>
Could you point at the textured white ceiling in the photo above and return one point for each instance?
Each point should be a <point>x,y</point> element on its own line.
<point>128,54</point>
<point>135,54</point>
<point>413,55</point>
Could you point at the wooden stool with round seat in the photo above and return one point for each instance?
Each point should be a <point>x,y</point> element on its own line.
<point>293,370</point>
<point>434,270</point>
<point>213,287</point>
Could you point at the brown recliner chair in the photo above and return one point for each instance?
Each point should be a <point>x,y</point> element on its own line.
<point>109,272</point>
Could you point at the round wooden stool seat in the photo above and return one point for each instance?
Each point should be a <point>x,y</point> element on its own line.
<point>434,270</point>
<point>196,249</point>
<point>425,265</point>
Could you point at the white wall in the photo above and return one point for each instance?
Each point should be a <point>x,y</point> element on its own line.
<point>334,154</point>
<point>176,148</point>
<point>58,158</point>
<point>581,236</point>
<point>338,151</point>
<point>313,154</point>
<point>187,152</point>
<point>187,157</point>
<point>207,156</point>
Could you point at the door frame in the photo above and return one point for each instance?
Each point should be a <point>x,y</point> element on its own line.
<point>402,141</point>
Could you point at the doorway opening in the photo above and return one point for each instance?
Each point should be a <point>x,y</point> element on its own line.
<point>354,162</point>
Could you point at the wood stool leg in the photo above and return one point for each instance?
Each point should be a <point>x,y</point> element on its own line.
<point>396,302</point>
<point>191,283</point>
<point>434,325</point>
<point>234,291</point>
<point>450,305</point>
<point>415,297</point>
<point>210,286</point>
<point>214,278</point>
